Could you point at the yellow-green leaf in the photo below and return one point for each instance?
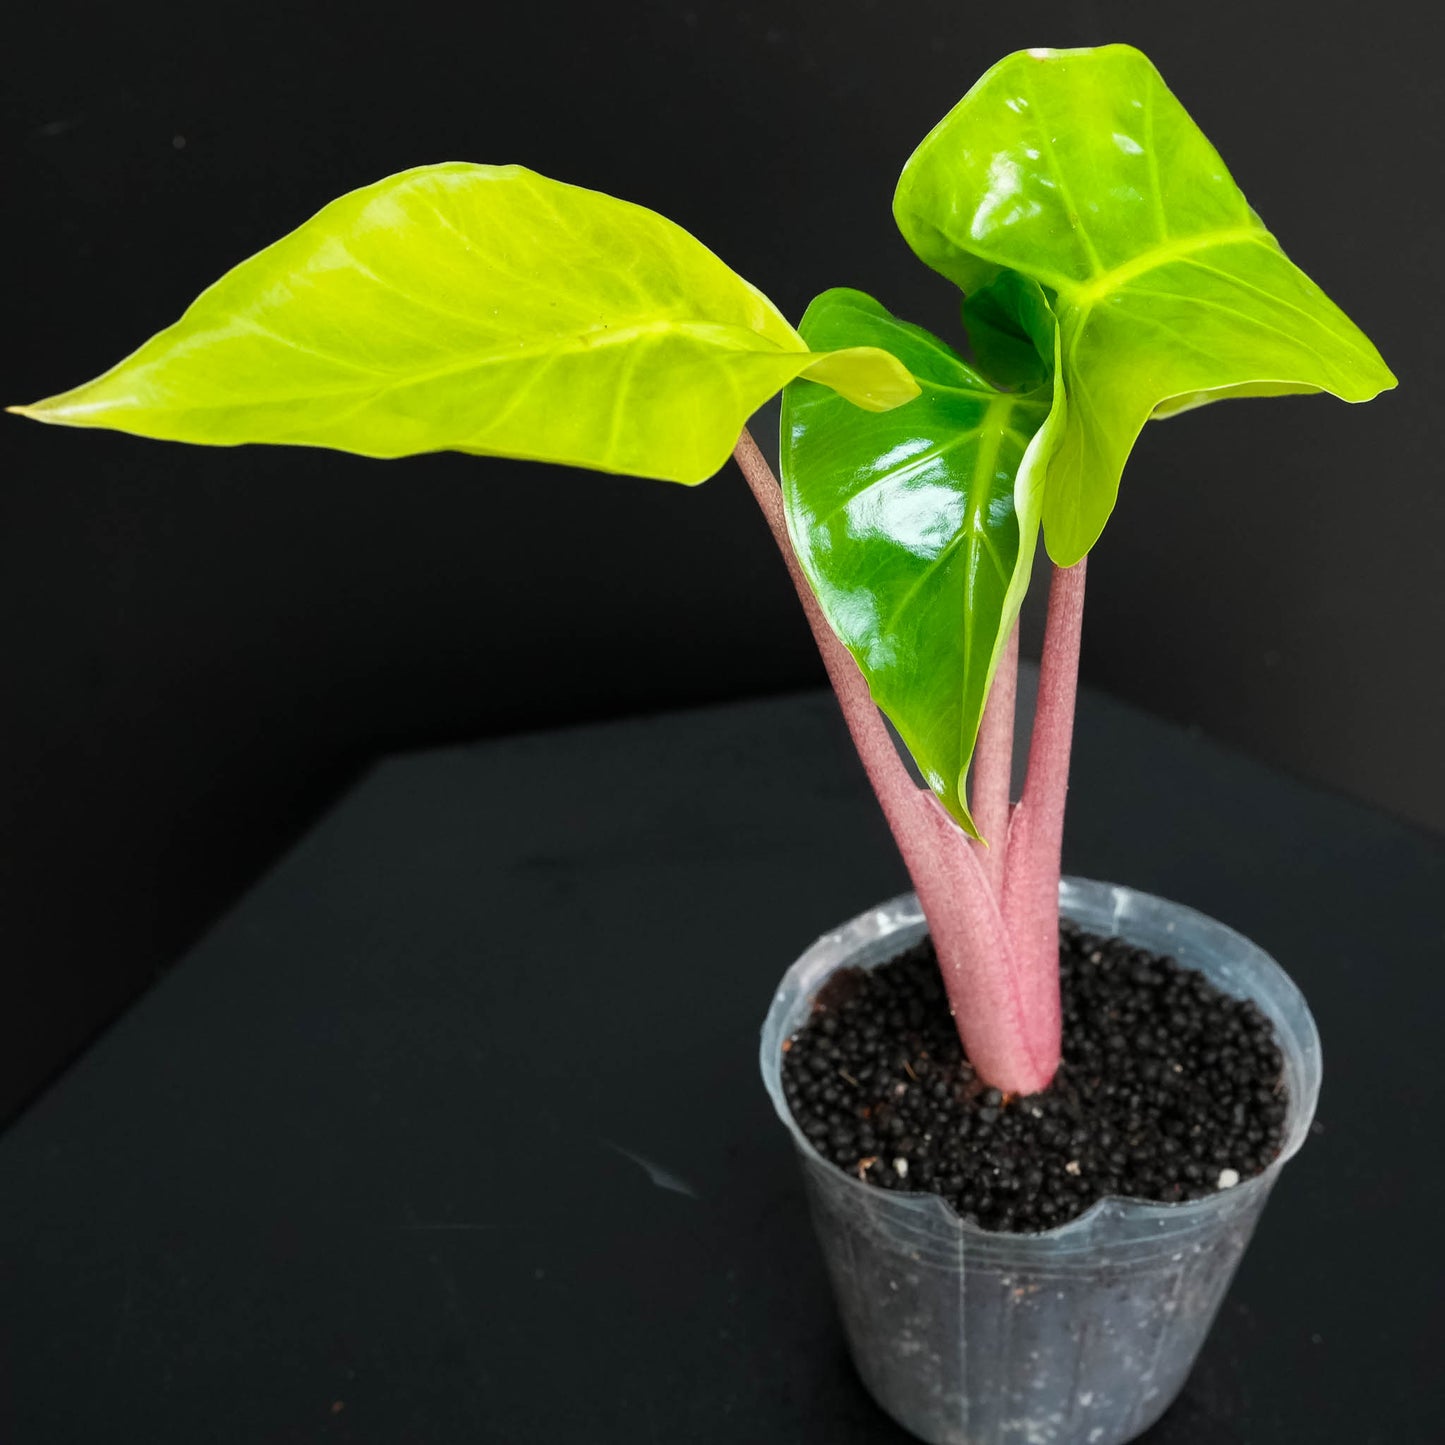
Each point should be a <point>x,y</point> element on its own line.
<point>1080,170</point>
<point>481,309</point>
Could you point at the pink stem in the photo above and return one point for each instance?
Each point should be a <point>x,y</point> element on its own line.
<point>993,758</point>
<point>986,991</point>
<point>1036,834</point>
<point>896,790</point>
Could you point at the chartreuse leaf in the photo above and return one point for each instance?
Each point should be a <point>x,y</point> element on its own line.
<point>1079,169</point>
<point>482,309</point>
<point>917,527</point>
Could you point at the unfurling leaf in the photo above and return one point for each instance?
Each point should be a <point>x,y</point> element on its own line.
<point>1080,170</point>
<point>480,309</point>
<point>916,528</point>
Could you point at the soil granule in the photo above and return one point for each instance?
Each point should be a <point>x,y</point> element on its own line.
<point>1169,1089</point>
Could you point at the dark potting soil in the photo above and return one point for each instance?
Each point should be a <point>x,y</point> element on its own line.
<point>1169,1089</point>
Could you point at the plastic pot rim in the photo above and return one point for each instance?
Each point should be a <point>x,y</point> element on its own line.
<point>901,917</point>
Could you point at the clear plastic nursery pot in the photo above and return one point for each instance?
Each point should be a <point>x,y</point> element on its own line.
<point>1082,1335</point>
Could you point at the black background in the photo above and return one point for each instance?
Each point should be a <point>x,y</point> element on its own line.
<point>202,647</point>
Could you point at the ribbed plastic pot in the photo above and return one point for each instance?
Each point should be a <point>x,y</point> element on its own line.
<point>1082,1335</point>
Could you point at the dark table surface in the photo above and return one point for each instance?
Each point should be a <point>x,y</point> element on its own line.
<point>451,1131</point>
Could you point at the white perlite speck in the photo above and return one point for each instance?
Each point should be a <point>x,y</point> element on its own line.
<point>1228,1178</point>
<point>900,1165</point>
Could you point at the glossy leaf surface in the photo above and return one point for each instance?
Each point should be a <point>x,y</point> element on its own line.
<point>482,309</point>
<point>1080,170</point>
<point>917,527</point>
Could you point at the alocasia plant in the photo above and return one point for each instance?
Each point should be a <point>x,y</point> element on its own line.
<point>1112,272</point>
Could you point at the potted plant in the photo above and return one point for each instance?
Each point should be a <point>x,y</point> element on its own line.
<point>1005,1274</point>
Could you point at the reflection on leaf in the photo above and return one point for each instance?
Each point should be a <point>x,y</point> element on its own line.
<point>1080,170</point>
<point>916,528</point>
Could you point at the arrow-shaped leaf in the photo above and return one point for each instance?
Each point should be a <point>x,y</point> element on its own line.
<point>916,528</point>
<point>1079,169</point>
<point>482,309</point>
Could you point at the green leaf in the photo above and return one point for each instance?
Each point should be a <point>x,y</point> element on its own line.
<point>917,527</point>
<point>1011,329</point>
<point>1079,169</point>
<point>482,309</point>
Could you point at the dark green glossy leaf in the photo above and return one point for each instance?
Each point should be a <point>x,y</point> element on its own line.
<point>917,527</point>
<point>1080,170</point>
<point>1011,329</point>
<point>482,309</point>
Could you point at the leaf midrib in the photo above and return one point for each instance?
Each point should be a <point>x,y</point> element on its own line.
<point>578,343</point>
<point>1087,294</point>
<point>983,466</point>
<point>999,413</point>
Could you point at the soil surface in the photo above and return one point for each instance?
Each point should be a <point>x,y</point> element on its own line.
<point>1169,1089</point>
